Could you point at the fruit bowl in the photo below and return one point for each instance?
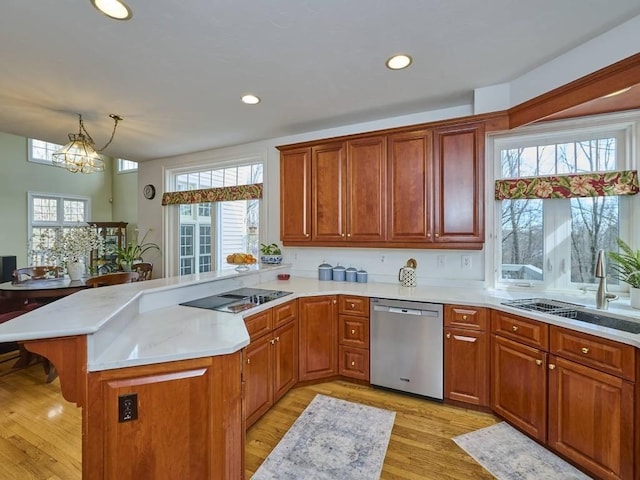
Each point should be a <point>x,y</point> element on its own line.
<point>241,260</point>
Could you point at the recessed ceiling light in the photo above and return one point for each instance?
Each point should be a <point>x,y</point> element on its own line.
<point>113,8</point>
<point>398,62</point>
<point>250,99</point>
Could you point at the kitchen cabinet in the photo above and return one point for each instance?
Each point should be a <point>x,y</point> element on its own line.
<point>295,195</point>
<point>353,337</point>
<point>466,354</point>
<point>591,411</point>
<point>114,235</point>
<point>165,421</point>
<point>348,180</point>
<point>318,346</point>
<point>271,358</point>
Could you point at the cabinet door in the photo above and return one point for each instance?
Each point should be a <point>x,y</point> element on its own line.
<point>354,362</point>
<point>353,331</point>
<point>459,187</point>
<point>285,359</point>
<point>591,418</point>
<point>466,366</point>
<point>409,190</point>
<point>519,385</point>
<point>329,170</point>
<point>295,195</point>
<point>318,317</point>
<point>366,176</point>
<point>258,377</point>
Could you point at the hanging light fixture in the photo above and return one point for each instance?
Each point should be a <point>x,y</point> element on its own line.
<point>80,154</point>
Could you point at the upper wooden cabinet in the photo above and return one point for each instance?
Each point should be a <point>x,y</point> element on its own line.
<point>419,187</point>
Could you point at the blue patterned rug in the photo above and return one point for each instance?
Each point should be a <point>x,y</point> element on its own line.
<point>332,439</point>
<point>510,455</point>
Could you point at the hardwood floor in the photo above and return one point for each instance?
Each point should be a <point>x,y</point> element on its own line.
<point>40,432</point>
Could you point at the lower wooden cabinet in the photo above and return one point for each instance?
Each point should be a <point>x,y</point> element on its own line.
<point>318,347</point>
<point>519,385</point>
<point>591,418</point>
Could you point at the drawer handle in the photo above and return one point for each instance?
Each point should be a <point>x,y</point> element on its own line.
<point>538,362</point>
<point>514,328</point>
<point>353,364</point>
<point>448,335</point>
<point>464,317</point>
<point>353,331</point>
<point>551,366</point>
<point>584,350</point>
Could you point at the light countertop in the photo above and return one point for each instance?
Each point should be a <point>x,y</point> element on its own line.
<point>142,323</point>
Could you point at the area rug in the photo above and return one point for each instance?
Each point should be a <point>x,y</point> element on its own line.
<point>332,439</point>
<point>510,455</point>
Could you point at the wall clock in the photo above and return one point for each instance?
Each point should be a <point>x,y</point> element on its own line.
<point>149,191</point>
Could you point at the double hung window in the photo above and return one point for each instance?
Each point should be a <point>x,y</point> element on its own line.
<point>547,238</point>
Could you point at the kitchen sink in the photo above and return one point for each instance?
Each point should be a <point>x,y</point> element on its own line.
<point>575,312</point>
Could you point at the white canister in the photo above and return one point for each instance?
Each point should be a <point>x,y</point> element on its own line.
<point>407,277</point>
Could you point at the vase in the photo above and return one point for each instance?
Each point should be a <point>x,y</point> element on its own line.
<point>634,297</point>
<point>75,270</point>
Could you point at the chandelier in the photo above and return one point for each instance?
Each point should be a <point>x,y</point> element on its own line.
<point>80,154</point>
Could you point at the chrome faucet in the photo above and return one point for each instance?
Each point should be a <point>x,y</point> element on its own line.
<point>602,297</point>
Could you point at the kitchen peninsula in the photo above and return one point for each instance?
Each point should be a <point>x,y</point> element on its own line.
<point>160,384</point>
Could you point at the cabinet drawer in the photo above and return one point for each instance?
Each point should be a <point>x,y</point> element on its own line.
<point>354,362</point>
<point>524,330</point>
<point>353,305</point>
<point>353,331</point>
<point>259,324</point>
<point>285,313</point>
<point>460,316</point>
<point>600,353</point>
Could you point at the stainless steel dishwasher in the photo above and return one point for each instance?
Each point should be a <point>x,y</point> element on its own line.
<point>407,346</point>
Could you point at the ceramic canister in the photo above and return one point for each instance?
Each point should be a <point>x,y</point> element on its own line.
<point>351,274</point>
<point>361,276</point>
<point>325,271</point>
<point>339,273</point>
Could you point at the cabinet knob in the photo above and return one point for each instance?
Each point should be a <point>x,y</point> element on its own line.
<point>353,331</point>
<point>514,328</point>
<point>437,235</point>
<point>306,234</point>
<point>353,364</point>
<point>272,342</point>
<point>538,362</point>
<point>428,235</point>
<point>584,350</point>
<point>248,361</point>
<point>277,339</point>
<point>352,305</point>
<point>335,301</point>
<point>464,317</point>
<point>342,234</point>
<point>551,366</point>
<point>348,234</point>
<point>448,335</point>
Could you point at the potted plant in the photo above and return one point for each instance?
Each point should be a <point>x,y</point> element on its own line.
<point>626,264</point>
<point>270,254</point>
<point>133,250</point>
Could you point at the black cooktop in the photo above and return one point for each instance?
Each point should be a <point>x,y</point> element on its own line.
<point>236,300</point>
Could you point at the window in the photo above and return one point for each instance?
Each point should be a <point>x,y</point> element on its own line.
<point>211,231</point>
<point>50,213</point>
<point>40,151</point>
<point>125,166</point>
<point>554,243</point>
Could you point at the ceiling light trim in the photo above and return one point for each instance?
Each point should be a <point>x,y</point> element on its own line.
<point>113,9</point>
<point>399,61</point>
<point>250,99</point>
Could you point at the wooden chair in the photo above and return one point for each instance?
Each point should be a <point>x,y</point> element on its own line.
<point>111,279</point>
<point>143,269</point>
<point>24,274</point>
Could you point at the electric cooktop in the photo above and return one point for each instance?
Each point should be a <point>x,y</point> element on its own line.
<point>236,300</point>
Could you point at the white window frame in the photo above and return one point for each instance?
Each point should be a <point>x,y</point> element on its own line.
<point>50,147</point>
<point>127,166</point>
<point>626,127</point>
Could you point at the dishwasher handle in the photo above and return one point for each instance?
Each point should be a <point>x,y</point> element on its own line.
<point>406,311</point>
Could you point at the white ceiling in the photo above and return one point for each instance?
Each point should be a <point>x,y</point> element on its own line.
<point>177,69</point>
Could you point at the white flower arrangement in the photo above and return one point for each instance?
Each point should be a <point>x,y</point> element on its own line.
<point>60,247</point>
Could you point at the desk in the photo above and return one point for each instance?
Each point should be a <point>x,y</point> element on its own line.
<point>51,289</point>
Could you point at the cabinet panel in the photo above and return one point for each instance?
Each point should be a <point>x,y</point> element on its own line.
<point>519,385</point>
<point>354,362</point>
<point>353,305</point>
<point>295,195</point>
<point>409,195</point>
<point>366,202</point>
<point>591,418</point>
<point>285,361</point>
<point>353,331</point>
<point>328,192</point>
<point>259,324</point>
<point>466,317</point>
<point>318,348</point>
<point>459,183</point>
<point>466,363</point>
<point>285,313</point>
<point>520,329</point>
<point>258,377</point>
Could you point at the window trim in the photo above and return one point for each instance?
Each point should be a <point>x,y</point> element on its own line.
<point>41,161</point>
<point>120,169</point>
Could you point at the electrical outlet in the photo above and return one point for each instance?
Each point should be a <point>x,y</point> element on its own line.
<point>466,262</point>
<point>127,407</point>
<point>381,258</point>
<point>442,261</point>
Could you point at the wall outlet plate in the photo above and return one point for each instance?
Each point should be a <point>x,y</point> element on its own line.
<point>127,407</point>
<point>466,262</point>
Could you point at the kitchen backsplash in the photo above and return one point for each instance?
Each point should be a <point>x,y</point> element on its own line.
<point>435,267</point>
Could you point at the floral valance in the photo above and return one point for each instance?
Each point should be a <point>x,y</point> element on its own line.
<point>569,186</point>
<point>220,194</point>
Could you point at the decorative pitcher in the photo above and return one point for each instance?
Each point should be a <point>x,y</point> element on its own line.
<point>407,274</point>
